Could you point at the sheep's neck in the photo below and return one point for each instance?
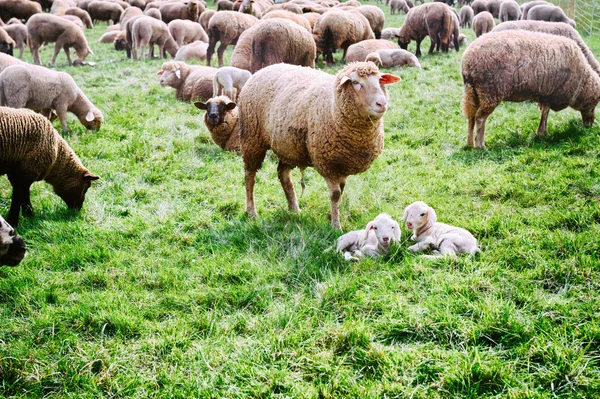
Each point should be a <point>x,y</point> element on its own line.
<point>424,229</point>
<point>81,106</point>
<point>65,162</point>
<point>351,122</point>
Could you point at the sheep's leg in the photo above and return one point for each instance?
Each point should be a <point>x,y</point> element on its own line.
<point>142,49</point>
<point>433,43</point>
<point>20,198</point>
<point>62,116</point>
<point>210,50</point>
<point>250,179</point>
<point>543,127</point>
<point>21,50</point>
<point>335,194</point>
<point>57,49</point>
<point>470,141</point>
<point>68,54</point>
<point>220,53</point>
<point>480,119</point>
<point>283,172</point>
<point>418,52</point>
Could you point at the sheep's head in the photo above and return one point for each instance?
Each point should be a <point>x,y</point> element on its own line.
<point>386,229</point>
<point>72,189</point>
<point>83,52</point>
<point>92,120</point>
<point>170,74</point>
<point>418,215</point>
<point>193,10</point>
<point>246,6</point>
<point>374,58</point>
<point>367,84</point>
<point>216,108</point>
<point>12,246</point>
<point>121,42</point>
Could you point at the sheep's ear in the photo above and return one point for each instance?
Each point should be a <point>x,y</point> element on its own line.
<point>90,51</point>
<point>90,176</point>
<point>405,215</point>
<point>431,215</point>
<point>343,80</point>
<point>368,229</point>
<point>89,116</point>
<point>159,73</point>
<point>230,106</point>
<point>178,73</point>
<point>388,79</point>
<point>200,105</point>
<point>396,230</point>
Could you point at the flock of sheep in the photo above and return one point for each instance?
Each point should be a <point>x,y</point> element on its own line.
<point>312,119</point>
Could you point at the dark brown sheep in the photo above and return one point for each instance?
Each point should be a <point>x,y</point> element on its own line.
<point>104,11</point>
<point>340,29</point>
<point>479,6</point>
<point>82,15</point>
<point>171,11</point>
<point>435,20</point>
<point>226,27</point>
<point>20,9</point>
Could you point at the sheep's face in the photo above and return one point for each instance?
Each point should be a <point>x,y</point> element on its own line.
<point>246,6</point>
<point>73,189</point>
<point>374,58</point>
<point>169,77</point>
<point>93,119</point>
<point>12,246</point>
<point>371,97</point>
<point>418,214</point>
<point>386,229</point>
<point>215,110</point>
<point>6,48</point>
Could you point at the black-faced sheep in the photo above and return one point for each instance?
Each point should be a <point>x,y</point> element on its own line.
<point>532,66</point>
<point>549,13</point>
<point>360,50</point>
<point>332,123</point>
<point>226,27</point>
<point>483,23</point>
<point>32,150</point>
<point>12,246</point>
<point>222,121</point>
<point>431,19</point>
<point>7,43</point>
<point>190,82</point>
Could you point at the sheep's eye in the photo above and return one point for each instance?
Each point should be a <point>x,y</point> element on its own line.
<point>423,214</point>
<point>355,82</point>
<point>375,227</point>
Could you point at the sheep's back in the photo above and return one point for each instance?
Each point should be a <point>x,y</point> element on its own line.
<point>198,85</point>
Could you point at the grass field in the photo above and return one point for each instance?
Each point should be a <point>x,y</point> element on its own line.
<point>161,287</point>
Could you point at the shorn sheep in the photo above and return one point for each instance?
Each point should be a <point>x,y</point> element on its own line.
<point>222,121</point>
<point>548,69</point>
<point>373,241</point>
<point>443,239</point>
<point>311,118</point>
<point>228,79</point>
<point>32,150</point>
<point>12,246</point>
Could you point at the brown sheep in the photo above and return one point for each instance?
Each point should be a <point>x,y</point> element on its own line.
<point>191,83</point>
<point>312,18</point>
<point>100,10</point>
<point>195,51</point>
<point>59,7</point>
<point>48,28</point>
<point>154,13</point>
<point>340,29</point>
<point>466,16</point>
<point>552,71</point>
<point>493,7</point>
<point>185,31</point>
<point>81,14</point>
<point>299,19</point>
<point>149,31</point>
<point>109,37</point>
<point>255,7</point>
<point>222,121</point>
<point>435,20</point>
<point>8,60</point>
<point>509,11</point>
<point>360,50</point>
<point>549,13</point>
<point>128,14</point>
<point>20,9</point>
<point>375,16</point>
<point>398,5</point>
<point>75,20</point>
<point>224,5</point>
<point>479,6</point>
<point>171,11</point>
<point>226,27</point>
<point>7,43</point>
<point>291,7</point>
<point>483,23</point>
<point>205,18</point>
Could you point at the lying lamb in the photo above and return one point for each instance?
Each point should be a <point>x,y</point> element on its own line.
<point>373,241</point>
<point>428,233</point>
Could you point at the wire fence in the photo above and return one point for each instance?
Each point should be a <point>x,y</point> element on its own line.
<point>586,13</point>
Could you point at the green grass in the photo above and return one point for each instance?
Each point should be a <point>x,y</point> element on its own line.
<point>161,287</point>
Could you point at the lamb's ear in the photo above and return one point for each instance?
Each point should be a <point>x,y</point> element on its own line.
<point>90,51</point>
<point>343,80</point>
<point>431,215</point>
<point>388,79</point>
<point>90,176</point>
<point>368,228</point>
<point>396,230</point>
<point>200,105</point>
<point>230,106</point>
<point>178,73</point>
<point>159,73</point>
<point>89,116</point>
<point>405,215</point>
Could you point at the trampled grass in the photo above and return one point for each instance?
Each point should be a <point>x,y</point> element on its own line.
<point>161,287</point>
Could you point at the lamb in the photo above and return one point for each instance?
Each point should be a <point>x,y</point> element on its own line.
<point>191,82</point>
<point>229,78</point>
<point>8,60</point>
<point>226,27</point>
<point>509,11</point>
<point>12,246</point>
<point>398,5</point>
<point>149,31</point>
<point>360,50</point>
<point>340,29</point>
<point>100,10</point>
<point>443,239</point>
<point>48,28</point>
<point>32,151</point>
<point>373,241</point>
<point>185,31</point>
<point>82,15</point>
<point>193,51</point>
<point>553,28</point>
<point>525,7</point>
<point>489,77</point>
<point>393,58</point>
<point>7,44</point>
<point>483,23</point>
<point>20,9</point>
<point>466,17</point>
<point>332,123</point>
<point>171,11</point>
<point>549,13</point>
<point>222,121</point>
<point>42,89</point>
<point>430,19</point>
<point>390,33</point>
<point>299,19</point>
<point>224,5</point>
<point>205,18</point>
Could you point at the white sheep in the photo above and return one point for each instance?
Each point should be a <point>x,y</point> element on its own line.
<point>443,239</point>
<point>373,241</point>
<point>228,78</point>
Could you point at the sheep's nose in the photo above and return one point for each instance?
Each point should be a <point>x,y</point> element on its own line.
<point>409,225</point>
<point>213,116</point>
<point>386,239</point>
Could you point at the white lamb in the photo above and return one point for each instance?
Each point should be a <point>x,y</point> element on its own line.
<point>373,241</point>
<point>443,239</point>
<point>228,78</point>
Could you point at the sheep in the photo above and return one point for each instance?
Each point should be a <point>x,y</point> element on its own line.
<point>229,78</point>
<point>59,7</point>
<point>222,121</point>
<point>100,10</point>
<point>340,29</point>
<point>81,14</point>
<point>7,43</point>
<point>525,7</point>
<point>299,19</point>
<point>312,18</point>
<point>130,13</point>
<point>398,5</point>
<point>479,6</point>
<point>12,246</point>
<point>205,18</point>
<point>185,31</point>
<point>20,9</point>
<point>552,71</point>
<point>430,19</point>
<point>149,31</point>
<point>483,23</point>
<point>509,11</point>
<point>311,118</point>
<point>393,58</point>
<point>48,28</point>
<point>8,60</point>
<point>549,13</point>
<point>443,239</point>
<point>390,33</point>
<point>466,17</point>
<point>291,7</point>
<point>255,7</point>
<point>42,89</point>
<point>493,7</point>
<point>109,37</point>
<point>554,28</point>
<point>154,13</point>
<point>171,11</point>
<point>75,20</point>
<point>360,50</point>
<point>193,51</point>
<point>190,82</point>
<point>32,150</point>
<point>374,15</point>
<point>226,27</point>
<point>224,5</point>
<point>137,3</point>
<point>373,241</point>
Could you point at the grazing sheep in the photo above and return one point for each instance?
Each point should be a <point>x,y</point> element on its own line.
<point>224,5</point>
<point>154,13</point>
<point>374,15</point>
<point>20,9</point>
<point>32,150</point>
<point>59,7</point>
<point>109,37</point>
<point>479,6</point>
<point>373,241</point>
<point>493,7</point>
<point>8,60</point>
<point>195,51</point>
<point>12,246</point>
<point>312,18</point>
<point>549,13</point>
<point>48,28</point>
<point>553,28</point>
<point>398,5</point>
<point>106,11</point>
<point>509,11</point>
<point>7,43</point>
<point>466,17</point>
<point>226,27</point>
<point>186,32</point>
<point>443,239</point>
<point>552,71</point>
<point>340,29</point>
<point>171,11</point>
<point>291,7</point>
<point>393,58</point>
<point>390,33</point>
<point>311,118</point>
<point>205,18</point>
<point>130,13</point>
<point>525,7</point>
<point>435,20</point>
<point>360,50</point>
<point>229,78</point>
<point>82,15</point>
<point>222,121</point>
<point>483,23</point>
<point>190,82</point>
<point>147,31</point>
<point>299,19</point>
<point>75,20</point>
<point>42,89</point>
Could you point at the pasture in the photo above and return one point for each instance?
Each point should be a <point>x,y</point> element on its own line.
<point>161,287</point>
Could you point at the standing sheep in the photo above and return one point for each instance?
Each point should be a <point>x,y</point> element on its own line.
<point>226,27</point>
<point>525,7</point>
<point>185,31</point>
<point>224,5</point>
<point>466,17</point>
<point>398,5</point>
<point>374,15</point>
<point>340,29</point>
<point>222,121</point>
<point>483,23</point>
<point>147,31</point>
<point>549,13</point>
<point>12,246</point>
<point>509,11</point>
<point>552,71</point>
<point>20,9</point>
<point>171,11</point>
<point>190,82</point>
<point>430,19</point>
<point>299,19</point>
<point>100,10</point>
<point>332,123</point>
<point>32,150</point>
<point>82,15</point>
<point>360,50</point>
<point>493,7</point>
<point>18,32</point>
<point>205,18</point>
<point>479,6</point>
<point>229,78</point>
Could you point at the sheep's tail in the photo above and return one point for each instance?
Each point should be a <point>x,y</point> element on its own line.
<point>327,41</point>
<point>302,181</point>
<point>470,98</point>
